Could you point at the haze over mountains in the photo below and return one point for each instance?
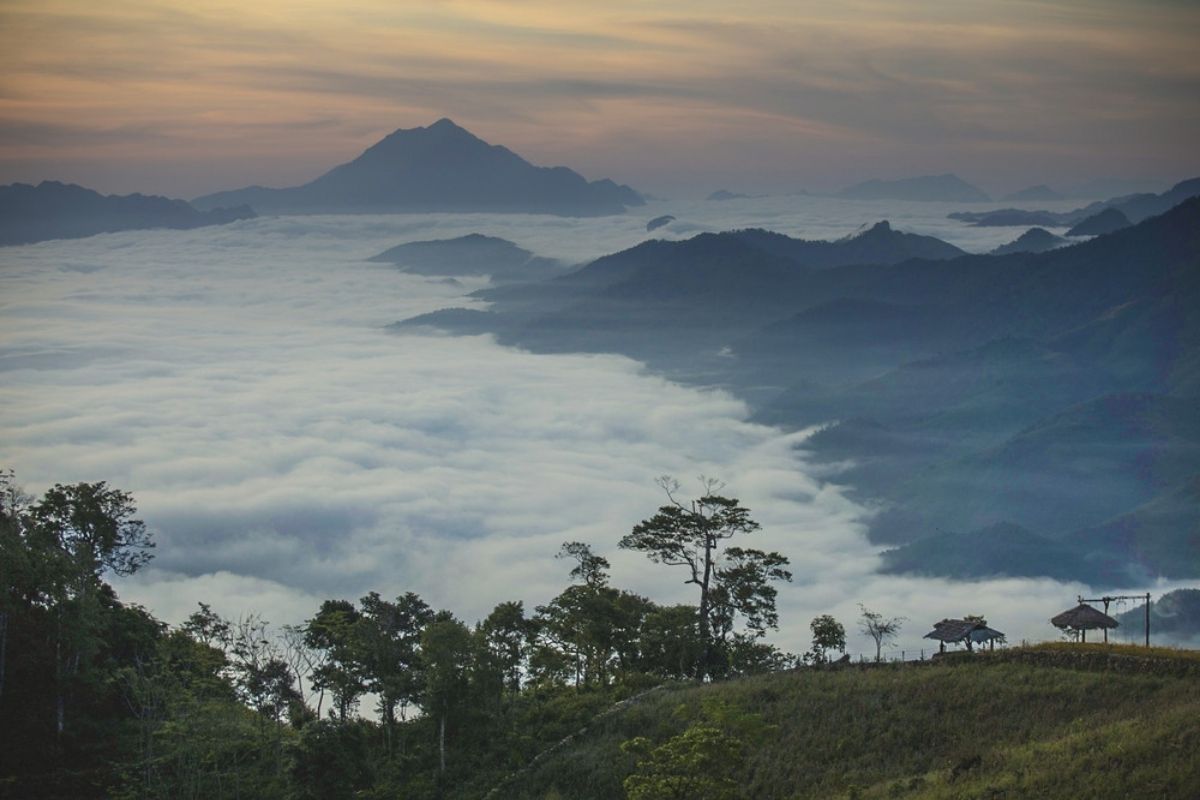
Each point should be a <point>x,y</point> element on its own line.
<point>53,210</point>
<point>442,167</point>
<point>1134,207</point>
<point>473,255</point>
<point>926,188</point>
<point>1046,401</point>
<point>1041,396</point>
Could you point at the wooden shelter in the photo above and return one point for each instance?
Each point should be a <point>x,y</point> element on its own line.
<point>964,631</point>
<point>1084,618</point>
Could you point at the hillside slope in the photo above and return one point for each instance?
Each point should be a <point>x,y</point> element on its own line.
<point>1038,723</point>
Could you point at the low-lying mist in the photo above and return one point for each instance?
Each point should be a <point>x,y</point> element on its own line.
<point>284,447</point>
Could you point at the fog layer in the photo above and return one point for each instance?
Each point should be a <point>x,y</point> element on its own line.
<point>284,447</point>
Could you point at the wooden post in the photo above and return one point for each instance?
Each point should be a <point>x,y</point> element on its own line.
<point>1147,619</point>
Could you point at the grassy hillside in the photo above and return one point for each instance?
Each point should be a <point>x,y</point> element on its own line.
<point>1043,722</point>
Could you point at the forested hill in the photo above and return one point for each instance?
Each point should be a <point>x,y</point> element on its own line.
<point>597,693</point>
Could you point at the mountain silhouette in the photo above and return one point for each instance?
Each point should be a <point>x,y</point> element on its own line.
<point>442,167</point>
<point>470,255</point>
<point>53,210</point>
<point>1107,221</point>
<point>1136,207</point>
<point>1034,240</point>
<point>1054,390</point>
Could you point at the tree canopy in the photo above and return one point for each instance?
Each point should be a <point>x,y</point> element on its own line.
<point>732,583</point>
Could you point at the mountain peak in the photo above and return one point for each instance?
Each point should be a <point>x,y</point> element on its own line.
<point>442,167</point>
<point>447,125</point>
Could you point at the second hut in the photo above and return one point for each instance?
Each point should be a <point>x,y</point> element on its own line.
<point>1083,618</point>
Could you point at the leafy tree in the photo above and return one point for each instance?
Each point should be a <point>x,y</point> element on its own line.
<point>334,630</point>
<point>729,583</point>
<point>706,761</point>
<point>448,649</point>
<point>669,644</point>
<point>389,650</point>
<point>208,627</point>
<point>589,566</point>
<point>699,764</point>
<point>74,535</point>
<point>827,634</point>
<point>505,634</point>
<point>881,630</point>
<point>590,630</point>
<point>332,761</point>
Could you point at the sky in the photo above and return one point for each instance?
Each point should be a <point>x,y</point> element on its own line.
<point>184,97</point>
<point>283,447</point>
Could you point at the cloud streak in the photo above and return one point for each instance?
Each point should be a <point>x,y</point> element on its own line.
<point>826,94</point>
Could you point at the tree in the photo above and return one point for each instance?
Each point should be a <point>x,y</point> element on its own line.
<point>828,634</point>
<point>208,627</point>
<point>505,635</point>
<point>589,566</point>
<point>883,631</point>
<point>699,764</point>
<point>705,762</point>
<point>734,582</point>
<point>589,630</point>
<point>334,630</point>
<point>389,652</point>
<point>76,534</point>
<point>448,648</point>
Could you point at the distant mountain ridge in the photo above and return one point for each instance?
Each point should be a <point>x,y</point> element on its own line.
<point>470,255</point>
<point>1135,207</point>
<point>439,168</point>
<point>1109,220</point>
<point>1034,240</point>
<point>54,210</point>
<point>1053,391</point>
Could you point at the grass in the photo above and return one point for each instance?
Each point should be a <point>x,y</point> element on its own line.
<point>1047,721</point>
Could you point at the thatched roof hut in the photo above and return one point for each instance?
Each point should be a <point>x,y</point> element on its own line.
<point>1084,618</point>
<point>964,631</point>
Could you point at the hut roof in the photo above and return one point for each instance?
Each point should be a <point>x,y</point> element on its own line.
<point>959,630</point>
<point>985,634</point>
<point>1083,617</point>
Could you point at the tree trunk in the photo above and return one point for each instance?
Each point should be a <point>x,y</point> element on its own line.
<point>3,647</point>
<point>389,720</point>
<point>705,628</point>
<point>59,679</point>
<point>442,745</point>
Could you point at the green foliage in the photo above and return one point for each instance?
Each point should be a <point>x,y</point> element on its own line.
<point>699,764</point>
<point>732,583</point>
<point>331,761</point>
<point>99,699</point>
<point>827,634</point>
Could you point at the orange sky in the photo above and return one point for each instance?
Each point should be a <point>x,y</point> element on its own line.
<point>187,97</point>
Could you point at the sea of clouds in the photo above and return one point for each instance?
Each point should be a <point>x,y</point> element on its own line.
<point>285,447</point>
